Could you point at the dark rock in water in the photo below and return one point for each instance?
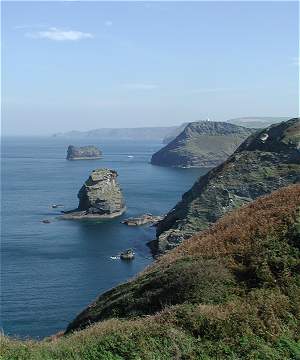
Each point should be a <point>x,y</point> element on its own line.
<point>55,206</point>
<point>142,220</point>
<point>201,144</point>
<point>127,255</point>
<point>46,221</point>
<point>99,197</point>
<point>266,161</point>
<point>83,153</point>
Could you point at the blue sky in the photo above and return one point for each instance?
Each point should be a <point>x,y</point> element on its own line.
<point>83,65</point>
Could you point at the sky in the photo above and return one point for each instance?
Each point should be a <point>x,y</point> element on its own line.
<point>72,65</point>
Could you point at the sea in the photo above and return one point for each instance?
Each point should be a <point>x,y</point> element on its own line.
<point>52,271</point>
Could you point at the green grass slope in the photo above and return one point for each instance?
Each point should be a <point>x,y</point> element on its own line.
<point>230,292</point>
<point>203,143</point>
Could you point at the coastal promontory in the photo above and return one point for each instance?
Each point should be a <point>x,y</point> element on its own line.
<point>83,153</point>
<point>201,144</point>
<point>99,197</point>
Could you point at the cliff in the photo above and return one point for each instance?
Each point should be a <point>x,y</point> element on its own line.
<point>231,292</point>
<point>266,161</point>
<point>201,144</point>
<point>100,196</point>
<point>83,153</point>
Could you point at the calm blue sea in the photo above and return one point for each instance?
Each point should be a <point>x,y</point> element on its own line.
<point>50,272</point>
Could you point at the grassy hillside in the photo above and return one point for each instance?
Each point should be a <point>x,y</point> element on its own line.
<point>203,143</point>
<point>257,121</point>
<point>230,292</point>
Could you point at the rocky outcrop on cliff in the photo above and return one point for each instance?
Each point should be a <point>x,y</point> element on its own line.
<point>201,144</point>
<point>99,197</point>
<point>83,153</point>
<point>266,161</point>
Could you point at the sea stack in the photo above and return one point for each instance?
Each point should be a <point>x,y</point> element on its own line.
<point>83,153</point>
<point>99,197</point>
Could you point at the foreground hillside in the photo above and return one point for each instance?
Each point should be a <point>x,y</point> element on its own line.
<point>266,161</point>
<point>230,292</point>
<point>202,143</point>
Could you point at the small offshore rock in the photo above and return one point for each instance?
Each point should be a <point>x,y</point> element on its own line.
<point>127,255</point>
<point>142,220</point>
<point>55,206</point>
<point>83,153</point>
<point>99,197</point>
<point>46,221</point>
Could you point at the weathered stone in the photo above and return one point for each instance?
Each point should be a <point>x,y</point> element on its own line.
<point>83,153</point>
<point>127,255</point>
<point>142,220</point>
<point>99,197</point>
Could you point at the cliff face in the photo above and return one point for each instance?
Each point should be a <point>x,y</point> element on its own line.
<point>100,196</point>
<point>266,161</point>
<point>203,143</point>
<point>83,153</point>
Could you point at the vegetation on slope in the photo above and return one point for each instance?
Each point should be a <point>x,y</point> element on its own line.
<point>257,121</point>
<point>230,292</point>
<point>203,143</point>
<point>266,161</point>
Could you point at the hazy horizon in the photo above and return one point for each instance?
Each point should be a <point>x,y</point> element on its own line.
<point>72,65</point>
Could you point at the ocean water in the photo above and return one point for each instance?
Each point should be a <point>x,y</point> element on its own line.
<point>50,272</point>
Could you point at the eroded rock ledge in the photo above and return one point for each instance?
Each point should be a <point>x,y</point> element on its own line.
<point>99,197</point>
<point>145,219</point>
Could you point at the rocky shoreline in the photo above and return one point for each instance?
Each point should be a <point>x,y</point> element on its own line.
<point>146,219</point>
<point>81,215</point>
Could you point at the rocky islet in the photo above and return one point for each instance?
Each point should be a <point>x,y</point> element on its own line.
<point>89,152</point>
<point>99,197</point>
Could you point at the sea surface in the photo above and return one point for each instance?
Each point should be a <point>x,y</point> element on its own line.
<point>50,272</point>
